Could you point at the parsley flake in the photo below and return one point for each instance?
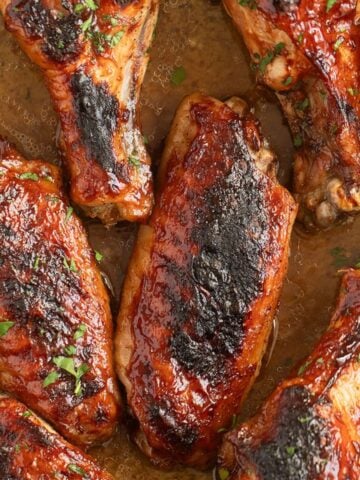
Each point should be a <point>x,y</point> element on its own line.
<point>29,176</point>
<point>5,327</point>
<point>330,4</point>
<point>178,76</point>
<point>50,379</point>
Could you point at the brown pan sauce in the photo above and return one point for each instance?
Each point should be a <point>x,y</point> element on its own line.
<point>196,39</point>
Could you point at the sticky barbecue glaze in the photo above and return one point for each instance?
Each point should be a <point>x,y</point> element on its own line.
<point>93,57</point>
<point>198,35</point>
<point>53,298</point>
<point>203,283</point>
<point>30,449</point>
<point>308,53</point>
<point>309,428</point>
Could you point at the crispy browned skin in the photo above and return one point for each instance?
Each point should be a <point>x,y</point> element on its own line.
<point>309,429</point>
<point>94,60</point>
<point>31,450</point>
<point>52,293</point>
<point>203,283</point>
<point>309,54</point>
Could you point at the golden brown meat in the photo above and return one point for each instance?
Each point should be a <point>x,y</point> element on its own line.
<point>309,429</point>
<point>31,450</point>
<point>55,321</point>
<point>93,55</point>
<point>203,283</point>
<point>308,52</point>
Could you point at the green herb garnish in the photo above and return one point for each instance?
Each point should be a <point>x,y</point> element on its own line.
<point>178,76</point>
<point>252,4</point>
<point>70,350</point>
<point>69,212</point>
<point>223,473</point>
<point>72,467</point>
<point>80,332</point>
<point>304,367</point>
<point>5,327</point>
<point>290,451</point>
<point>287,81</point>
<point>50,379</point>
<point>298,141</point>
<point>29,176</point>
<point>269,57</point>
<point>99,256</point>
<point>330,4</point>
<point>134,160</point>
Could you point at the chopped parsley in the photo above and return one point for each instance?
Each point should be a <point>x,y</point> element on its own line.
<point>5,327</point>
<point>70,350</point>
<point>290,451</point>
<point>70,265</point>
<point>338,42</point>
<point>69,212</point>
<point>36,263</point>
<point>330,4</point>
<point>87,24</point>
<point>134,160</point>
<point>27,414</point>
<point>287,81</point>
<point>223,474</point>
<point>178,76</point>
<point>304,367</point>
<point>298,141</point>
<point>340,258</point>
<point>72,467</point>
<point>50,379</point>
<point>304,419</point>
<point>302,106</point>
<point>112,20</point>
<point>68,365</point>
<point>80,332</point>
<point>99,256</point>
<point>264,61</point>
<point>252,4</point>
<point>29,176</point>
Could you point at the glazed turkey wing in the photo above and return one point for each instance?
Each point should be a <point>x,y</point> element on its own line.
<point>308,52</point>
<point>55,321</point>
<point>203,284</point>
<point>309,428</point>
<point>93,55</point>
<point>31,450</point>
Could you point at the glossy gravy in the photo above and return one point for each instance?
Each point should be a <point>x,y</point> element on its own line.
<point>197,36</point>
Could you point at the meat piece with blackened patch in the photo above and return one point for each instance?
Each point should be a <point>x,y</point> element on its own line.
<point>55,321</point>
<point>203,283</point>
<point>308,52</point>
<point>309,428</point>
<point>93,55</point>
<point>31,450</point>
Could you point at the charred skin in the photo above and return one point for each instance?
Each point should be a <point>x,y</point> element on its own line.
<point>94,61</point>
<point>309,428</point>
<point>309,55</point>
<point>31,450</point>
<point>203,283</point>
<point>52,294</point>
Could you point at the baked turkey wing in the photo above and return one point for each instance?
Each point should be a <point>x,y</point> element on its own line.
<point>93,55</point>
<point>308,52</point>
<point>309,428</point>
<point>55,321</point>
<point>203,284</point>
<point>31,450</point>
